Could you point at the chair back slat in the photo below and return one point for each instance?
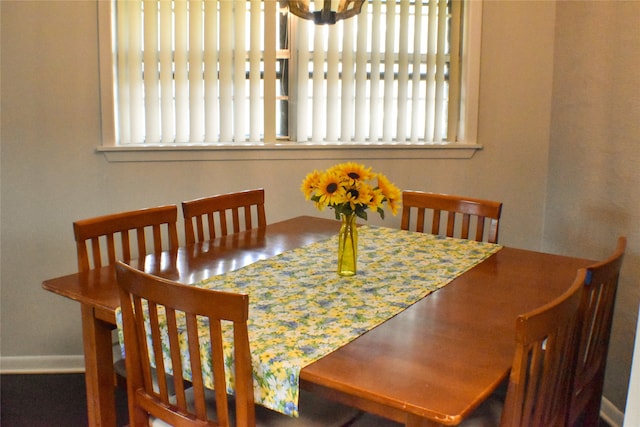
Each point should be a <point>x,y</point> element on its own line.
<point>176,359</point>
<point>156,343</point>
<point>95,250</point>
<point>480,228</point>
<point>140,330</point>
<point>188,310</point>
<point>597,305</point>
<point>464,216</point>
<point>223,223</point>
<point>219,385</point>
<point>111,247</point>
<point>222,215</point>
<point>195,355</point>
<point>108,237</point>
<point>542,372</point>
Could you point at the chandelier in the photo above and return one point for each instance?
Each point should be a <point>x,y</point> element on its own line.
<point>342,9</point>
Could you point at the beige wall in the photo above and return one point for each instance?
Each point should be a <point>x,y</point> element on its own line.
<point>52,176</point>
<point>594,181</point>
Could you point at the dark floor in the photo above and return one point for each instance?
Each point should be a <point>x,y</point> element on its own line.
<point>52,400</point>
<point>49,400</point>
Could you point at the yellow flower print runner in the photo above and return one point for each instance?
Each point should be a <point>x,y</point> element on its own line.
<point>301,310</point>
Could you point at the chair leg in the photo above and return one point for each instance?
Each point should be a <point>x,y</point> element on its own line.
<point>591,415</point>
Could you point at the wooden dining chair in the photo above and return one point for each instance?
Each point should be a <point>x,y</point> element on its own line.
<point>539,387</point>
<point>598,302</point>
<point>542,373</point>
<point>198,313</point>
<point>457,216</point>
<point>210,215</point>
<point>101,241</point>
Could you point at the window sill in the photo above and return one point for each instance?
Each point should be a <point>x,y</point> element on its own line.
<point>284,151</point>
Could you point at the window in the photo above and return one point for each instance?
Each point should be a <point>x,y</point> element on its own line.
<point>247,73</point>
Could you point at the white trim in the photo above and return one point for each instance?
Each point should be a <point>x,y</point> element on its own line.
<point>632,412</point>
<point>612,415</point>
<point>470,73</point>
<point>105,27</point>
<point>285,151</point>
<point>41,364</point>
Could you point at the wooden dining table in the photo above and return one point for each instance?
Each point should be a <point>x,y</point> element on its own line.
<point>430,365</point>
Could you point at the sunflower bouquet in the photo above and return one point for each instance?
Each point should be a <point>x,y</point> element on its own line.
<point>351,188</point>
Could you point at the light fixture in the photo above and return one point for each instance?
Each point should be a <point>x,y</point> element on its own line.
<point>327,14</point>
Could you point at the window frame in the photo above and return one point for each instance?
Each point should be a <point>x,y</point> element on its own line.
<point>464,148</point>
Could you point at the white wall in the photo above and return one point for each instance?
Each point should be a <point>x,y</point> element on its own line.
<point>51,174</point>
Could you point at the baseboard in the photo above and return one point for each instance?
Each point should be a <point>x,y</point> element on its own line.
<point>74,364</point>
<point>41,364</point>
<point>612,415</point>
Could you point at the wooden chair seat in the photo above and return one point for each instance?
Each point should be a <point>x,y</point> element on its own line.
<point>215,216</point>
<point>315,411</point>
<point>451,216</point>
<point>141,295</point>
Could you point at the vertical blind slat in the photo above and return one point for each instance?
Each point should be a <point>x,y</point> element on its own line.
<point>347,81</point>
<point>239,79</point>
<point>360,109</point>
<point>389,118</point>
<point>181,76</point>
<point>196,82</point>
<point>332,88</point>
<point>269,108</point>
<point>403,71</point>
<point>375,126</point>
<point>226,78</point>
<point>302,78</point>
<point>416,66</point>
<point>318,112</point>
<point>151,72</point>
<point>166,73</point>
<point>432,33</point>
<point>211,108</point>
<point>255,107</point>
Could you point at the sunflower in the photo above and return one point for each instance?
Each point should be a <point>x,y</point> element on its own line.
<point>330,192</point>
<point>376,200</point>
<point>391,193</point>
<point>310,184</point>
<point>354,171</point>
<point>358,196</point>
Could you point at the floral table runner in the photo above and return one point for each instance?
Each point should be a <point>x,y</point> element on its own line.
<point>301,310</point>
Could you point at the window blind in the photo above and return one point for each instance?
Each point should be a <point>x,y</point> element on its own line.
<point>194,71</point>
<point>204,71</point>
<point>395,76</point>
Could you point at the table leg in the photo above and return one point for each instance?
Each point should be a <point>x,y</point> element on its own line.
<point>98,360</point>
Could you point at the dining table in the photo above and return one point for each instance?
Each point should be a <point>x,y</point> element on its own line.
<point>430,362</point>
